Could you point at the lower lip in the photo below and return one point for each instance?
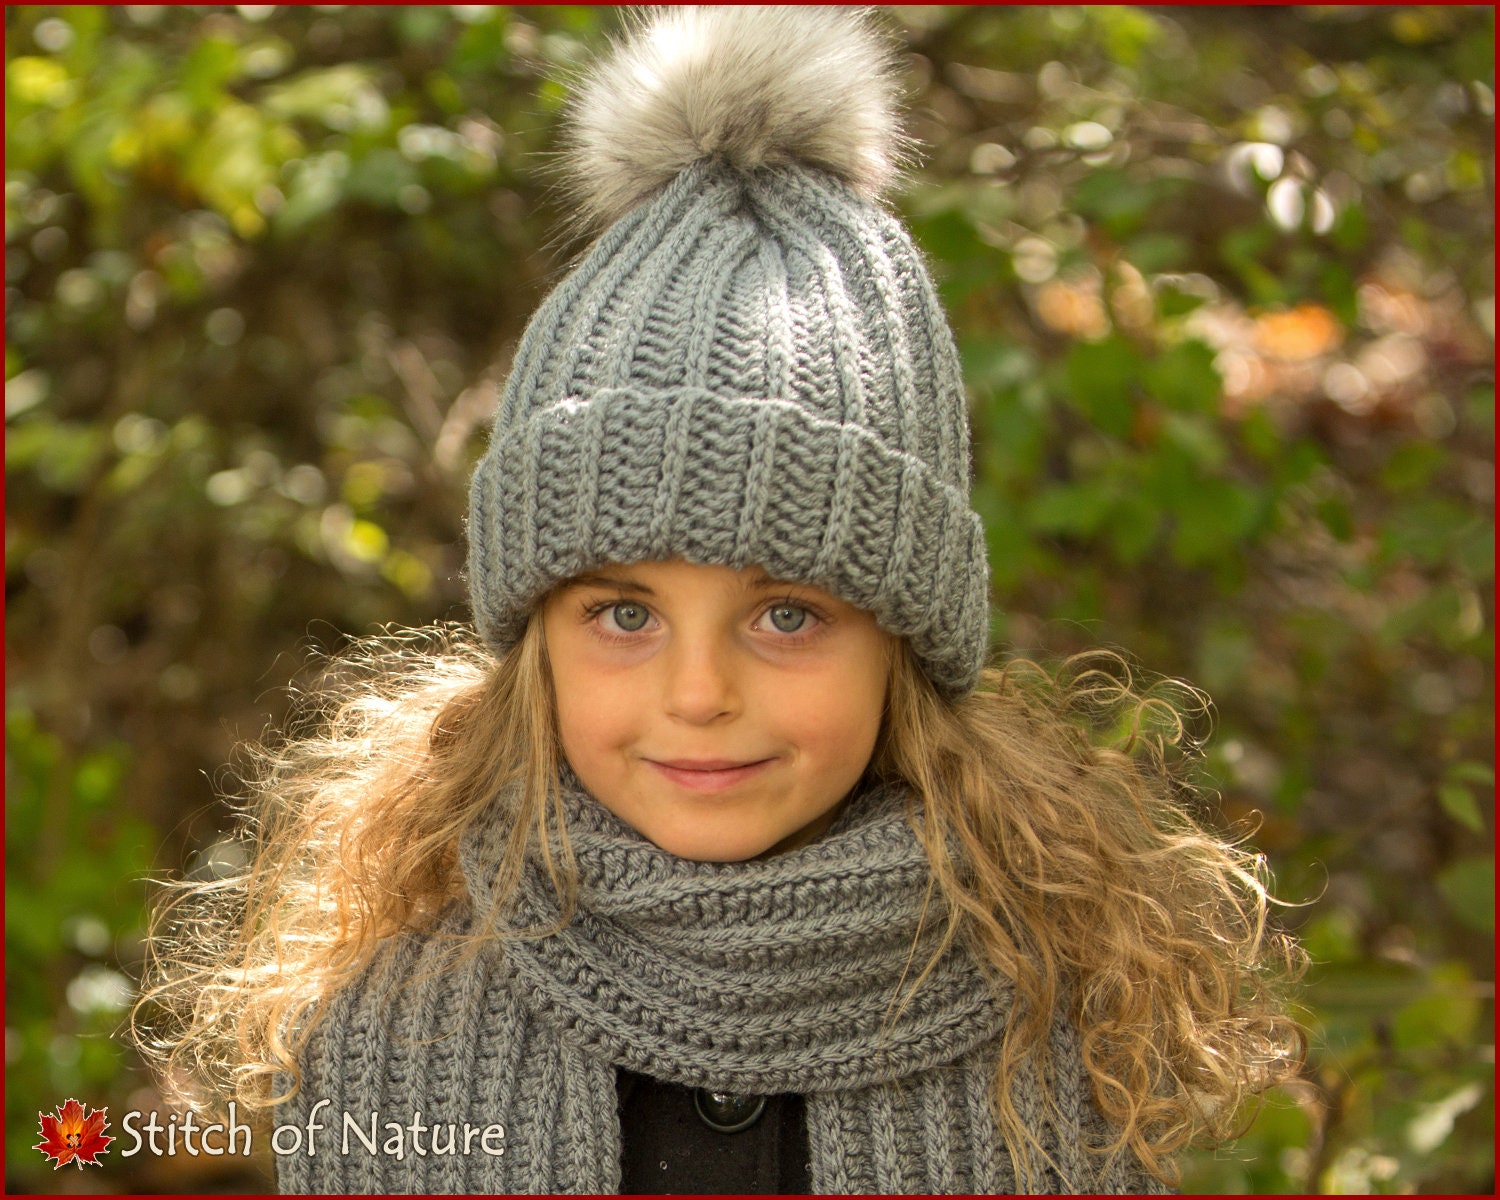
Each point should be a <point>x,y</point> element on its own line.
<point>711,781</point>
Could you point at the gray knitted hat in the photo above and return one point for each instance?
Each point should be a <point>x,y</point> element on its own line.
<point>750,366</point>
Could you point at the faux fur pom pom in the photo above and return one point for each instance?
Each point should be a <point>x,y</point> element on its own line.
<point>752,85</point>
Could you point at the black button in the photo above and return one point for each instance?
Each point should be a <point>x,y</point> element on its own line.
<point>728,1112</point>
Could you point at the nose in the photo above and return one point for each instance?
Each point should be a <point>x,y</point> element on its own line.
<point>701,683</point>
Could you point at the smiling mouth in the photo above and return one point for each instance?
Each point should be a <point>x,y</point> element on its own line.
<point>708,775</point>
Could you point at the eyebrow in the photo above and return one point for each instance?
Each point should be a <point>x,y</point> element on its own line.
<point>626,583</point>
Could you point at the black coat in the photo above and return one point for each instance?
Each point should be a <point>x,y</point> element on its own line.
<point>670,1147</point>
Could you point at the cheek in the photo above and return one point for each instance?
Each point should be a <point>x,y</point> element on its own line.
<point>584,718</point>
<point>837,716</point>
<point>590,718</point>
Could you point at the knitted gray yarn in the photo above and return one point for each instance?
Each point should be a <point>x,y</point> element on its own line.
<point>750,368</point>
<point>777,975</point>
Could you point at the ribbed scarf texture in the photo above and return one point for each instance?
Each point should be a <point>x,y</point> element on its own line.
<point>789,974</point>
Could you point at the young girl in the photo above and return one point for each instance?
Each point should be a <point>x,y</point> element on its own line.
<point>723,862</point>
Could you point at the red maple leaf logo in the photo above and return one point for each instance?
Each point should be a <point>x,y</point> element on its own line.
<point>74,1135</point>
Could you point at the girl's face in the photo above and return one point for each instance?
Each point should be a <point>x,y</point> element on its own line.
<point>721,714</point>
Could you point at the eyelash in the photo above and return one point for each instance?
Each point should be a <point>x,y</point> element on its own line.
<point>591,613</point>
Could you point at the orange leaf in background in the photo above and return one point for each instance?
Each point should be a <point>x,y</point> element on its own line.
<point>74,1135</point>
<point>1072,309</point>
<point>1302,332</point>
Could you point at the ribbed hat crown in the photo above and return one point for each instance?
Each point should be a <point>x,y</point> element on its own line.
<point>780,285</point>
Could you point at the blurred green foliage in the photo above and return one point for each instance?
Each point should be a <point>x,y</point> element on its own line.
<point>1223,283</point>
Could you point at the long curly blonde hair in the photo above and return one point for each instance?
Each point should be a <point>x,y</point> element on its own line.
<point>1053,808</point>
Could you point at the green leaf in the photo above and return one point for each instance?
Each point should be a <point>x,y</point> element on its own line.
<point>480,49</point>
<point>1214,521</point>
<point>1474,551</point>
<point>948,236</point>
<point>1447,1015</point>
<point>422,25</point>
<point>1127,31</point>
<point>1470,771</point>
<point>1412,466</point>
<point>1155,252</point>
<point>1006,539</point>
<point>210,66</point>
<point>1427,529</point>
<point>1331,936</point>
<point>1226,653</point>
<point>321,94</point>
<point>1132,528</point>
<point>32,927</point>
<point>1451,615</point>
<point>994,363</point>
<point>35,81</point>
<point>1011,436</point>
<point>962,262</point>
<point>1118,201</point>
<point>1174,302</point>
<point>1184,377</point>
<point>1243,248</point>
<point>1369,987</point>
<point>1336,284</point>
<point>1101,378</point>
<point>97,779</point>
<point>317,186</point>
<point>1336,516</point>
<point>1197,438</point>
<point>1072,508</point>
<point>62,453</point>
<point>1350,227</point>
<point>1469,887</point>
<point>1479,407</point>
<point>1261,436</point>
<point>380,176</point>
<point>1458,802</point>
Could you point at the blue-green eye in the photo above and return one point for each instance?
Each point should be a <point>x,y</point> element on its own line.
<point>629,617</point>
<point>788,618</point>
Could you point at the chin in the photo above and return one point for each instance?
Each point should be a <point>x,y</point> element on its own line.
<point>696,851</point>
<point>697,846</point>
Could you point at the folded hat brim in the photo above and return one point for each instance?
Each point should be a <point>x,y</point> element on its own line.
<point>625,475</point>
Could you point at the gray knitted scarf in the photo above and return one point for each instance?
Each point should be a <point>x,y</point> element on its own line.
<point>781,975</point>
